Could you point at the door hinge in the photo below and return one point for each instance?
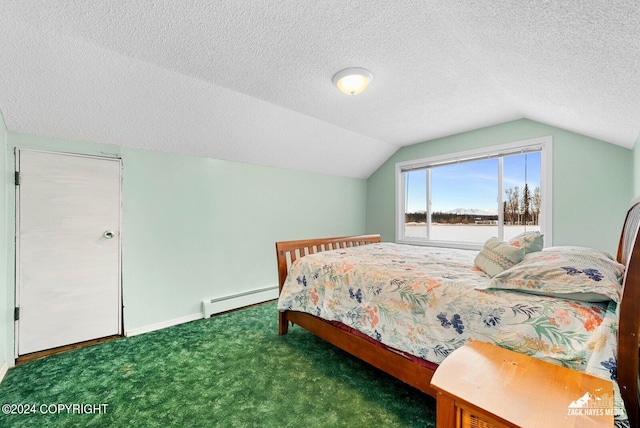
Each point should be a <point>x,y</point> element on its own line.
<point>17,178</point>
<point>16,314</point>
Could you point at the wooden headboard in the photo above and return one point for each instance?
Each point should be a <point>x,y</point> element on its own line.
<point>289,251</point>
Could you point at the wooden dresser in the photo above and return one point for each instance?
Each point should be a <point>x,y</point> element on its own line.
<point>482,386</point>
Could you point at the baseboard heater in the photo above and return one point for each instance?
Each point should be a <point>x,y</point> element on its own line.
<point>235,301</point>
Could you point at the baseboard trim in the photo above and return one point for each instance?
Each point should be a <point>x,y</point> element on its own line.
<point>164,324</point>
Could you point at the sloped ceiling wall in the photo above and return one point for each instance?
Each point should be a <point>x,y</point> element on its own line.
<point>251,81</point>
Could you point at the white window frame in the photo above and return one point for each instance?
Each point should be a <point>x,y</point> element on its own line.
<point>542,144</point>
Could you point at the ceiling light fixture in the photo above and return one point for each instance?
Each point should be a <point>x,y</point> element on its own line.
<point>352,81</point>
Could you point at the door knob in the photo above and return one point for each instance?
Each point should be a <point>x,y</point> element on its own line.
<point>109,234</point>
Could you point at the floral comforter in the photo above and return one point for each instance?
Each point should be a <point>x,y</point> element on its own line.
<point>422,300</point>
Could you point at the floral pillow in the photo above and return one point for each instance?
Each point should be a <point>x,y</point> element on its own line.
<point>497,256</point>
<point>530,242</point>
<point>576,273</point>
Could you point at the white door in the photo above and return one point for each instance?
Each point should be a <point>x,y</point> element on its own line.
<point>67,249</point>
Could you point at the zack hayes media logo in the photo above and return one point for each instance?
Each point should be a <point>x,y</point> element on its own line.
<point>592,405</point>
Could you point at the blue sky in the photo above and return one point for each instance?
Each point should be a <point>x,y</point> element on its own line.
<point>471,185</point>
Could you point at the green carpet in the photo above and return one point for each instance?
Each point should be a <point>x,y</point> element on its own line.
<point>231,370</point>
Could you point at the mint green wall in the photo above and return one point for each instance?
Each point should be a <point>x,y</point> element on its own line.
<point>636,167</point>
<point>6,323</point>
<point>592,181</point>
<point>195,228</point>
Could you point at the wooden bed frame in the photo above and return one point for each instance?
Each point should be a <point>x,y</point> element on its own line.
<point>418,376</point>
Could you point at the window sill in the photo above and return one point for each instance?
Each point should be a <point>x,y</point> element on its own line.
<point>442,244</point>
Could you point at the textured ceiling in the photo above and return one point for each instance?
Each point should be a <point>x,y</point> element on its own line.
<point>251,81</point>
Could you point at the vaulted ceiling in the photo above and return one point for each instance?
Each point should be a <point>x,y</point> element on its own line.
<point>250,81</point>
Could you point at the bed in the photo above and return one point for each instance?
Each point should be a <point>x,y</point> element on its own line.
<point>598,335</point>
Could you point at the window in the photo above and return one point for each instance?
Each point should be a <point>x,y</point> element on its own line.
<point>463,199</point>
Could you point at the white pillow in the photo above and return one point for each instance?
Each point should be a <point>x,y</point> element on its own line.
<point>497,256</point>
<point>575,273</point>
<point>530,242</point>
